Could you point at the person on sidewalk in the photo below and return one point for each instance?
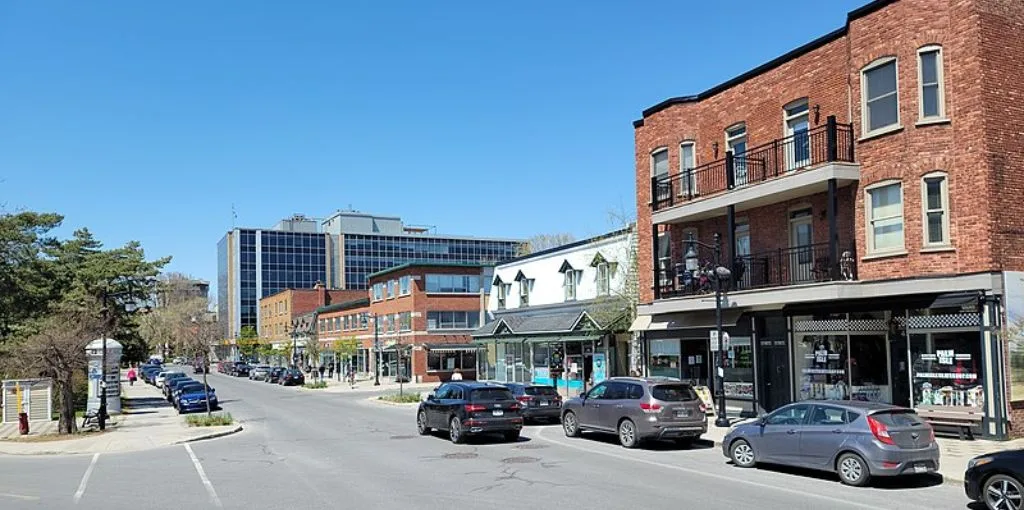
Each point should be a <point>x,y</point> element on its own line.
<point>322,369</point>
<point>457,375</point>
<point>330,370</point>
<point>132,376</point>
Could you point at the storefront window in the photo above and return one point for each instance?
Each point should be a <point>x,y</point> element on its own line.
<point>739,369</point>
<point>541,361</point>
<point>665,358</point>
<point>820,367</point>
<point>947,370</point>
<point>486,368</point>
<point>695,362</point>
<point>869,369</point>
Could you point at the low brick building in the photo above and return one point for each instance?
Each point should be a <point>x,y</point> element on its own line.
<point>865,193</point>
<point>420,316</point>
<point>278,310</point>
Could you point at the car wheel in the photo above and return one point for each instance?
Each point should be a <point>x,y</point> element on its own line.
<point>570,424</point>
<point>628,437</point>
<point>853,470</point>
<point>742,454</point>
<point>512,436</point>
<point>455,431</point>
<point>1002,492</point>
<point>421,423</point>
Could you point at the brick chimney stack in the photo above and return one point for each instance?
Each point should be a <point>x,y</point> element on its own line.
<point>321,294</point>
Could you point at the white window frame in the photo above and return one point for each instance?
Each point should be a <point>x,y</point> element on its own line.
<point>665,263</point>
<point>869,220</point>
<point>569,284</point>
<point>405,285</point>
<point>688,185</point>
<point>500,294</point>
<point>939,75</point>
<point>524,292</point>
<point>788,116</point>
<point>604,279</point>
<point>865,117</point>
<point>944,209</point>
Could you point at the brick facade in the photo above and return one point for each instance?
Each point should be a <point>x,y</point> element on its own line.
<point>278,310</point>
<point>980,147</point>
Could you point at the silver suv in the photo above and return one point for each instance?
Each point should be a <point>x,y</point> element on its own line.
<point>637,409</point>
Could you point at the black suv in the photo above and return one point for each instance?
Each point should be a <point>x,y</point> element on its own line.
<point>539,402</point>
<point>466,408</point>
<point>240,370</point>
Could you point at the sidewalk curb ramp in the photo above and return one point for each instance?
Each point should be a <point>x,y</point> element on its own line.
<point>213,435</point>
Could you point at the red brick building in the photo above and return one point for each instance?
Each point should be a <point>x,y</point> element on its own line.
<point>423,314</point>
<point>278,310</point>
<point>865,192</point>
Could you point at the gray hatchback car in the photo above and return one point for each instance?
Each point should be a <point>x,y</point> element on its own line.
<point>856,440</point>
<point>638,409</point>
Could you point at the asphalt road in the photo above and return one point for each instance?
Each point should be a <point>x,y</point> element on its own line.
<point>315,450</point>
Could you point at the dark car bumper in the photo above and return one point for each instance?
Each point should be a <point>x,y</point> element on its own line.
<point>196,406</point>
<point>972,484</point>
<point>673,431</point>
<point>484,426</point>
<point>537,413</point>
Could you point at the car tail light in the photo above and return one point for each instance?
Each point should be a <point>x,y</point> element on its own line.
<point>474,408</point>
<point>523,399</point>
<point>515,407</point>
<point>703,408</point>
<point>931,435</point>
<point>650,408</point>
<point>880,431</point>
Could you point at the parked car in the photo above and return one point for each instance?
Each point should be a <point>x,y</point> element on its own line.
<point>539,402</point>
<point>292,377</point>
<point>171,377</point>
<point>470,408</point>
<point>638,409</point>
<point>199,368</point>
<point>182,389</point>
<point>192,397</point>
<point>150,372</point>
<point>274,375</point>
<point>259,372</point>
<point>240,369</point>
<point>173,385</point>
<point>997,479</point>
<point>225,367</point>
<point>160,377</point>
<point>856,440</point>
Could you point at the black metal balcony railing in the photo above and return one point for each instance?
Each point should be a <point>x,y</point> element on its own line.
<point>776,268</point>
<point>828,143</point>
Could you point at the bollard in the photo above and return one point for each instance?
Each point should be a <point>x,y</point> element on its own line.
<point>23,423</point>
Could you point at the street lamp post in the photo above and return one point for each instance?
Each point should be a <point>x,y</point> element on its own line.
<point>376,352</point>
<point>129,307</point>
<point>719,274</point>
<point>206,368</point>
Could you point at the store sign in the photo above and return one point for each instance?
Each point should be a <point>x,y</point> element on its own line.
<point>945,356</point>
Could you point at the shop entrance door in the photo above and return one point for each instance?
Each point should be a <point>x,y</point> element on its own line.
<point>900,371</point>
<point>774,363</point>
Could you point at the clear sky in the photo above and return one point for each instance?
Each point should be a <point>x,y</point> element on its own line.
<point>147,120</point>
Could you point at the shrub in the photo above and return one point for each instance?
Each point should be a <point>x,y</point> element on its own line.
<point>406,398</point>
<point>319,385</point>
<point>202,420</point>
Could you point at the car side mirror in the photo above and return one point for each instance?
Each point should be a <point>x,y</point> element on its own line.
<point>430,396</point>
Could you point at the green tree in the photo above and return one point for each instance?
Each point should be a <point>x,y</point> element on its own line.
<point>248,342</point>
<point>26,274</point>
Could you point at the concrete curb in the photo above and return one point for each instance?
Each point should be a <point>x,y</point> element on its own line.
<point>213,435</point>
<point>376,400</point>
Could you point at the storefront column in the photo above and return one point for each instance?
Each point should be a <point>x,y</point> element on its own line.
<point>994,422</point>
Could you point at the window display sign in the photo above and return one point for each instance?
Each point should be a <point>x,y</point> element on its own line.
<point>947,370</point>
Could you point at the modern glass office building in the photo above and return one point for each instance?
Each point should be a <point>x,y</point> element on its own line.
<point>339,252</point>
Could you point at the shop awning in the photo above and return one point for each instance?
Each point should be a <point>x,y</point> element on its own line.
<point>690,320</point>
<point>563,338</point>
<point>955,300</point>
<point>452,347</point>
<point>641,323</point>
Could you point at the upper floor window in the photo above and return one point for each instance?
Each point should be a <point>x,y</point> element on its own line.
<point>524,292</point>
<point>797,130</point>
<point>880,106</point>
<point>571,277</point>
<point>347,324</point>
<point>659,163</point>
<point>687,162</point>
<point>502,289</point>
<point>364,320</point>
<point>664,258</point>
<point>404,285</point>
<point>604,277</point>
<point>453,320</point>
<point>392,285</point>
<point>378,291</point>
<point>935,197</point>
<point>736,142</point>
<point>929,69</point>
<point>453,283</point>
<point>885,218</point>
<point>405,321</point>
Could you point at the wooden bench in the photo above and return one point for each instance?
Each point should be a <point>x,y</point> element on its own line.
<point>963,422</point>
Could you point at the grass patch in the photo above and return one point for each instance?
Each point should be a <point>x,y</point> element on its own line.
<point>215,420</point>
<point>318,385</point>
<point>405,398</point>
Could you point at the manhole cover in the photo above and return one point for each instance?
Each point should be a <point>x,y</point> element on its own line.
<point>460,455</point>
<point>530,446</point>
<point>520,460</point>
<point>402,437</point>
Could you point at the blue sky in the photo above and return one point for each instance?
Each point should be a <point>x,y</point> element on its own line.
<point>148,120</point>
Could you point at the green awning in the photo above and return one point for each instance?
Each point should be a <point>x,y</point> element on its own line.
<point>562,338</point>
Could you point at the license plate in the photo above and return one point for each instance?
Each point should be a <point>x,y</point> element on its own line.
<point>544,403</point>
<point>498,412</point>
<point>920,468</point>
<point>682,414</point>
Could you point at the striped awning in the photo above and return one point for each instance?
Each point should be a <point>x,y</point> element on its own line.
<point>452,347</point>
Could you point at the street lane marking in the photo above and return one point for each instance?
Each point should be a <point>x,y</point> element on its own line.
<point>202,476</point>
<point>724,478</point>
<point>18,496</point>
<point>85,478</point>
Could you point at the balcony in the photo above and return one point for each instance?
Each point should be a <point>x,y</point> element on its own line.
<point>814,263</point>
<point>797,165</point>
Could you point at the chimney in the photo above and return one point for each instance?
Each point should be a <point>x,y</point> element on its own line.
<point>321,293</point>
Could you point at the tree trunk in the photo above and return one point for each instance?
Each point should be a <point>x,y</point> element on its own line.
<point>66,387</point>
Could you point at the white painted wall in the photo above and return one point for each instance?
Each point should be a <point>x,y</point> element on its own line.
<point>548,283</point>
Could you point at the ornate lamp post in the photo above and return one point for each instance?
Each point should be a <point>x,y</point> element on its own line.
<point>719,275</point>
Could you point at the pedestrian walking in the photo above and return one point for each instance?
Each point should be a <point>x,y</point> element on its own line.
<point>330,370</point>
<point>322,369</point>
<point>132,376</point>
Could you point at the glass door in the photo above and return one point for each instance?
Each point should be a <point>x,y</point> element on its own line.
<point>736,141</point>
<point>742,263</point>
<point>801,255</point>
<point>798,141</point>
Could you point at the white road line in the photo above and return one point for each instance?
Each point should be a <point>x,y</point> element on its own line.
<point>85,478</point>
<point>18,496</point>
<point>202,476</point>
<point>840,501</point>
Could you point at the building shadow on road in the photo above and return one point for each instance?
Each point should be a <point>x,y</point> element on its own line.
<point>651,445</point>
<point>879,482</point>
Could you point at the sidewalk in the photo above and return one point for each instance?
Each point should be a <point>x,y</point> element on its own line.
<point>147,421</point>
<point>366,386</point>
<point>953,455</point>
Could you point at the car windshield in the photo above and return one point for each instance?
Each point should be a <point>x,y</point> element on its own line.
<point>898,418</point>
<point>546,391</point>
<point>490,394</point>
<point>673,393</point>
